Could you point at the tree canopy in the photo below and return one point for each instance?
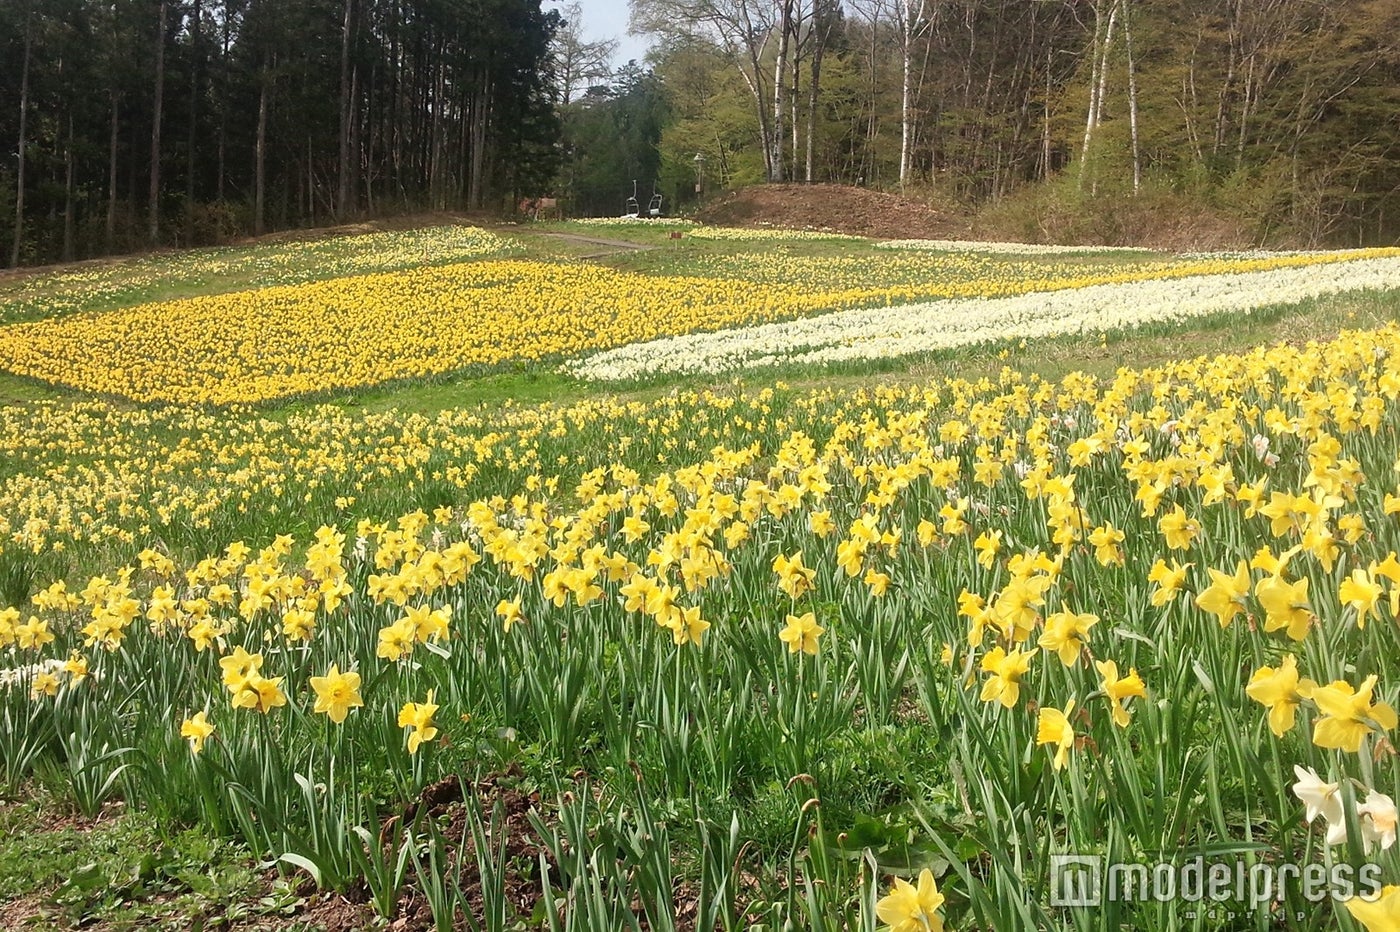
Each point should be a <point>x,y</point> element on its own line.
<point>1284,111</point>
<point>179,122</point>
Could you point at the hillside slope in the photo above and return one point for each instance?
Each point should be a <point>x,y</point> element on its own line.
<point>840,208</point>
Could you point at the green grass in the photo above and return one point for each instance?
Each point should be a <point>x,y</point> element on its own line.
<point>122,870</point>
<point>16,389</point>
<point>429,397</point>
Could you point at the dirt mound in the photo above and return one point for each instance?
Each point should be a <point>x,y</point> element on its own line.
<point>833,207</point>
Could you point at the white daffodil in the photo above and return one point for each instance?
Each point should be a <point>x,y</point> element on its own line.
<point>884,333</point>
<point>1319,797</point>
<point>1378,820</point>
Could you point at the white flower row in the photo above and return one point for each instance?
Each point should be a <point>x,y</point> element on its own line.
<point>767,233</point>
<point>1018,249</point>
<point>634,221</point>
<point>23,675</point>
<point>904,330</point>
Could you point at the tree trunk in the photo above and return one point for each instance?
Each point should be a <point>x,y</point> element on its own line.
<point>260,160</point>
<point>1098,81</point>
<point>475,195</point>
<point>111,231</point>
<point>68,193</point>
<point>153,228</point>
<point>1045,140</point>
<point>195,50</point>
<point>906,54</point>
<point>23,130</point>
<point>223,106</point>
<point>1132,98</point>
<point>776,168</point>
<point>342,200</point>
<point>813,92</point>
<point>310,184</point>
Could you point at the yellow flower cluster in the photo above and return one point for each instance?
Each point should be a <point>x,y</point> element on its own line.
<point>1179,456</point>
<point>892,277</point>
<point>350,332</point>
<point>1213,534</point>
<point>97,474</point>
<point>126,282</point>
<point>285,341</point>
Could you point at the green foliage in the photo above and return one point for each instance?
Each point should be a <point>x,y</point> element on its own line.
<point>611,134</point>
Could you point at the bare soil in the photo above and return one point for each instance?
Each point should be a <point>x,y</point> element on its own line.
<point>1156,220</point>
<point>835,208</point>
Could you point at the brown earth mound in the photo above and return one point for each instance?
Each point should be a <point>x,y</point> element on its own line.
<point>833,207</point>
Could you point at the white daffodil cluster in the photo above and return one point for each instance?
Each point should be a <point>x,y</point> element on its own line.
<point>1011,249</point>
<point>889,332</point>
<point>1376,814</point>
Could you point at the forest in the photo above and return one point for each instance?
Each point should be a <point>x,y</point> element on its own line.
<point>1284,114</point>
<point>138,123</point>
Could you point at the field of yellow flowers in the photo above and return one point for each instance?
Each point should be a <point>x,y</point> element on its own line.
<point>423,322</point>
<point>876,656</point>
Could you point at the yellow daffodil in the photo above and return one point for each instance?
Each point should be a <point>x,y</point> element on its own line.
<point>1168,580</point>
<point>1178,528</point>
<point>1360,592</point>
<point>1280,691</point>
<point>196,730</point>
<point>419,717</point>
<point>1004,684</point>
<point>396,641</point>
<point>1066,633</point>
<point>1054,728</point>
<point>1225,596</point>
<point>800,633</point>
<point>337,693</point>
<point>1119,689</point>
<point>794,578</point>
<point>911,908</point>
<point>1379,914</point>
<point>1348,714</point>
<point>1285,605</point>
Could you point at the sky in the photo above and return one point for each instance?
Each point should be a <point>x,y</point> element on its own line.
<point>607,19</point>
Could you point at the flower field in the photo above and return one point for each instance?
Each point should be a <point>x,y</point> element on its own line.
<point>354,331</point>
<point>903,330</point>
<point>85,288</point>
<point>856,656</point>
<point>350,332</point>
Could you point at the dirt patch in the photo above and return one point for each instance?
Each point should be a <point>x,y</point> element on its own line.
<point>22,912</point>
<point>448,804</point>
<point>835,208</point>
<point>612,246</point>
<point>1037,214</point>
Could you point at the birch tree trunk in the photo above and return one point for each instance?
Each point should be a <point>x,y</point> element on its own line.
<point>821,23</point>
<point>776,170</point>
<point>23,132</point>
<point>910,14</point>
<point>1132,98</point>
<point>1098,81</point>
